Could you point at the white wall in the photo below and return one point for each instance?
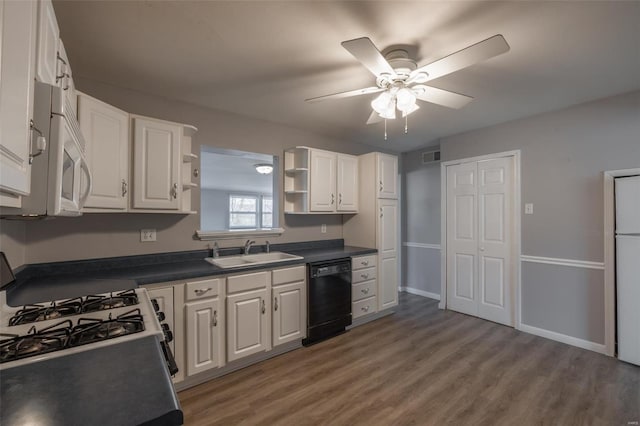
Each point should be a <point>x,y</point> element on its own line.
<point>563,155</point>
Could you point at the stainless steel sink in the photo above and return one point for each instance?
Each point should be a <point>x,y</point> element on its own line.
<point>228,262</point>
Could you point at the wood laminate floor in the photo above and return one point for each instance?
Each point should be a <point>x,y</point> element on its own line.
<point>424,366</point>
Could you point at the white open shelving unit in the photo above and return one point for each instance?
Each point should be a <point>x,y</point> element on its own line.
<point>296,181</point>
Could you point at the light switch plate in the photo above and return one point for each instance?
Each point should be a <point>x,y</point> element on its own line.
<point>147,235</point>
<point>528,208</point>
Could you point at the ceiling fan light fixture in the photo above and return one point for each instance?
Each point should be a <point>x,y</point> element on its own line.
<point>406,100</point>
<point>382,102</point>
<point>264,169</point>
<point>411,109</point>
<point>389,113</point>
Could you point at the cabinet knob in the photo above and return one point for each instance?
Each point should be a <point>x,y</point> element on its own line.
<point>365,290</point>
<point>364,276</point>
<point>215,318</point>
<point>365,263</point>
<point>196,172</point>
<point>124,187</point>
<point>365,308</point>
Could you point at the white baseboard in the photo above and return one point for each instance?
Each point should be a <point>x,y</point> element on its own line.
<point>569,340</point>
<point>422,293</point>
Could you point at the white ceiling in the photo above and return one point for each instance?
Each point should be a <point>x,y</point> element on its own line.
<point>237,172</point>
<point>263,58</point>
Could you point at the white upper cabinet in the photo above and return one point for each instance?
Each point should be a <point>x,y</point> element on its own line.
<point>318,181</point>
<point>17,70</point>
<point>48,36</point>
<point>106,131</point>
<point>156,164</point>
<point>323,181</point>
<point>347,183</point>
<point>387,174</point>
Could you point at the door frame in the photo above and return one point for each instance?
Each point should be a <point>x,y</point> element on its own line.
<point>610,256</point>
<point>517,230</point>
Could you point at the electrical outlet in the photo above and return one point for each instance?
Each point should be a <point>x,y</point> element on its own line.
<point>323,228</point>
<point>528,208</point>
<point>147,235</point>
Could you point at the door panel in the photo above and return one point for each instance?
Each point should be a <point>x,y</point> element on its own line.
<point>347,183</point>
<point>247,323</point>
<point>388,282</point>
<point>495,195</point>
<point>289,312</point>
<point>203,335</point>
<point>387,170</point>
<point>462,240</point>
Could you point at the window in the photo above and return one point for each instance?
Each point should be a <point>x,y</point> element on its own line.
<point>250,211</point>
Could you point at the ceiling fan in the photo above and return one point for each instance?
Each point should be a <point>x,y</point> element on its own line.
<point>401,81</point>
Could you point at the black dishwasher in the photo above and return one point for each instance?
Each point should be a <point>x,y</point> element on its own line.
<point>328,299</point>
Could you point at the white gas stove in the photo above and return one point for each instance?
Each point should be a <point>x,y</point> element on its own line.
<point>43,331</point>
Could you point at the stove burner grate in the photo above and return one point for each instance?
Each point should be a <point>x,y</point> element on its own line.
<point>91,330</point>
<point>52,338</point>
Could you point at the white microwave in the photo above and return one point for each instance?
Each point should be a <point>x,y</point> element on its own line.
<point>60,176</point>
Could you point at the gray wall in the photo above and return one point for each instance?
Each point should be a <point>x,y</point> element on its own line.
<point>420,222</point>
<point>214,209</point>
<point>563,156</point>
<point>12,242</point>
<point>104,235</point>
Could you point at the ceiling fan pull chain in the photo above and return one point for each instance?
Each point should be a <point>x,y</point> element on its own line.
<point>385,129</point>
<point>406,124</point>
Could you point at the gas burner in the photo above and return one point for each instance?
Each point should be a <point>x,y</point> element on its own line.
<point>36,342</point>
<point>91,330</point>
<point>35,313</point>
<point>112,301</point>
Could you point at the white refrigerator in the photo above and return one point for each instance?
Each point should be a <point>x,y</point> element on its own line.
<point>628,267</point>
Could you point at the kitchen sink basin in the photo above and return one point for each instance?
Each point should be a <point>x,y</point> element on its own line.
<point>228,262</point>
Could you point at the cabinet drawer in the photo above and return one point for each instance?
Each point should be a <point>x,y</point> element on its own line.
<point>202,289</point>
<point>363,290</point>
<point>246,282</point>
<point>363,262</point>
<point>289,275</point>
<point>363,275</point>
<point>364,307</point>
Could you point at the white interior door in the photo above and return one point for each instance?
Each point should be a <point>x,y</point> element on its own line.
<point>462,238</point>
<point>480,213</point>
<point>495,207</point>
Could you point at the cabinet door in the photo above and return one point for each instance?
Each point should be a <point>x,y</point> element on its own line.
<point>387,253</point>
<point>65,78</point>
<point>347,184</point>
<point>203,335</point>
<point>247,324</point>
<point>289,312</point>
<point>156,165</point>
<point>387,172</point>
<point>322,191</point>
<point>16,95</point>
<point>48,35</point>
<point>106,131</point>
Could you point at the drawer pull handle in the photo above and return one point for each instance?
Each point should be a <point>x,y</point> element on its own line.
<point>215,318</point>
<point>201,291</point>
<point>275,303</point>
<point>365,263</point>
<point>365,308</point>
<point>365,290</point>
<point>364,276</point>
<point>264,309</point>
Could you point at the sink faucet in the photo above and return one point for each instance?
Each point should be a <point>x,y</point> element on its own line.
<point>268,246</point>
<point>247,246</point>
<point>216,250</point>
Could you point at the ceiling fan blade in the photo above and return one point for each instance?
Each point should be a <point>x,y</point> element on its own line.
<point>493,46</point>
<point>440,96</point>
<point>374,118</point>
<point>366,52</point>
<point>348,94</point>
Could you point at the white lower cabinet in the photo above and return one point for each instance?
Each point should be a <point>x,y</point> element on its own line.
<point>364,286</point>
<point>248,321</point>
<point>289,294</point>
<point>203,335</point>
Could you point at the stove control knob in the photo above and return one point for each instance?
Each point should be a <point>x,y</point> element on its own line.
<point>168,335</point>
<point>160,316</point>
<point>156,307</point>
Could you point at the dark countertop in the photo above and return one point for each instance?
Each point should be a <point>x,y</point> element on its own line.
<point>62,280</point>
<point>71,390</point>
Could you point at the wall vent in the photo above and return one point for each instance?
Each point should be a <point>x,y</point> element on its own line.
<point>430,157</point>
